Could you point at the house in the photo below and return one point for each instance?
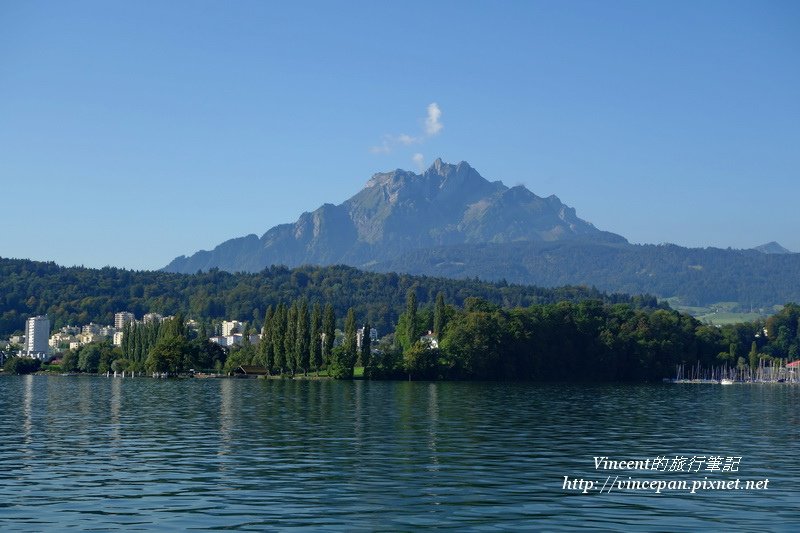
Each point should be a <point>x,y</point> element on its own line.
<point>429,339</point>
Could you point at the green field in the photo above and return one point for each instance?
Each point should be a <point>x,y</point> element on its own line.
<point>722,313</point>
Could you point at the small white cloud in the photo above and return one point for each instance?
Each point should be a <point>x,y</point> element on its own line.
<point>419,160</point>
<point>407,139</point>
<point>384,148</point>
<point>432,124</point>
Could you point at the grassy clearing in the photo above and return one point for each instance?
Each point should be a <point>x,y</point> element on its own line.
<point>722,313</point>
<point>721,319</point>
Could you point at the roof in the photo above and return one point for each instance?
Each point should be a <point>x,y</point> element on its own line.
<point>252,370</point>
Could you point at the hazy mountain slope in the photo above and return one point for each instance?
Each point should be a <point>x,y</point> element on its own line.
<point>699,275</point>
<point>772,247</point>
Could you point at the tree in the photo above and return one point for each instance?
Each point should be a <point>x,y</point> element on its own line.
<point>278,334</point>
<point>439,315</point>
<point>107,357</point>
<point>120,365</point>
<point>127,341</point>
<point>21,365</point>
<point>339,366</point>
<point>366,349</point>
<point>89,358</point>
<point>315,345</point>
<point>343,357</point>
<point>208,355</point>
<point>265,348</point>
<point>350,342</point>
<point>168,355</point>
<point>474,340</point>
<point>420,361</point>
<point>69,361</point>
<point>174,327</point>
<point>328,332</point>
<point>303,337</point>
<point>247,352</point>
<point>753,355</point>
<point>289,342</point>
<point>411,333</point>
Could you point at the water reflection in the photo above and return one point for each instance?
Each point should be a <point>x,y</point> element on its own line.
<point>27,415</point>
<point>115,404</point>
<point>433,425</point>
<point>321,455</point>
<point>225,418</point>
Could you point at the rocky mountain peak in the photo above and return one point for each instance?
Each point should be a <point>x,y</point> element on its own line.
<point>401,211</point>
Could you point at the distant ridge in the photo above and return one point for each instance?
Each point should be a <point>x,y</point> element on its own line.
<point>772,247</point>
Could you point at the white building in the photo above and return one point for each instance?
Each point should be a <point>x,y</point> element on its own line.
<point>91,329</point>
<point>373,336</point>
<point>37,336</point>
<point>228,327</point>
<point>152,317</point>
<point>122,318</point>
<point>429,339</point>
<point>227,340</point>
<point>118,338</point>
<point>88,338</point>
<point>60,338</point>
<point>222,341</point>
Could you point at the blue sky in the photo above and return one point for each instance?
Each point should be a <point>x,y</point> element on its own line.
<point>133,132</point>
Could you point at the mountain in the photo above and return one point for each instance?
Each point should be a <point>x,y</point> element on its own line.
<point>772,248</point>
<point>451,222</point>
<point>401,211</point>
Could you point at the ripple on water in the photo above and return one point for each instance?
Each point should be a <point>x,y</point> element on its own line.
<point>102,453</point>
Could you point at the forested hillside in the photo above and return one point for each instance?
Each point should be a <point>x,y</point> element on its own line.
<point>78,295</point>
<point>698,276</point>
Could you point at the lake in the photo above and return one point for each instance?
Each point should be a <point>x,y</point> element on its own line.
<point>88,452</point>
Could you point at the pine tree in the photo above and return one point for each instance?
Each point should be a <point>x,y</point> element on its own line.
<point>350,344</point>
<point>439,315</point>
<point>278,334</point>
<point>138,344</point>
<point>753,355</point>
<point>315,344</point>
<point>411,316</point>
<point>265,348</point>
<point>302,338</point>
<point>126,341</point>
<point>290,340</point>
<point>245,335</point>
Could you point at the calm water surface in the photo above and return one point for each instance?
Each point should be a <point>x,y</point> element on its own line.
<point>101,453</point>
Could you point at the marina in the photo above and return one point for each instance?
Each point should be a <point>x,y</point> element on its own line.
<point>725,375</point>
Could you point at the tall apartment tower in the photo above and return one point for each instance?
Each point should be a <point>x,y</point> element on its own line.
<point>122,318</point>
<point>37,334</point>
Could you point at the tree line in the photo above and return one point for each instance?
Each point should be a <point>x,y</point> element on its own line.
<point>564,341</point>
<point>78,295</point>
<point>574,341</point>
